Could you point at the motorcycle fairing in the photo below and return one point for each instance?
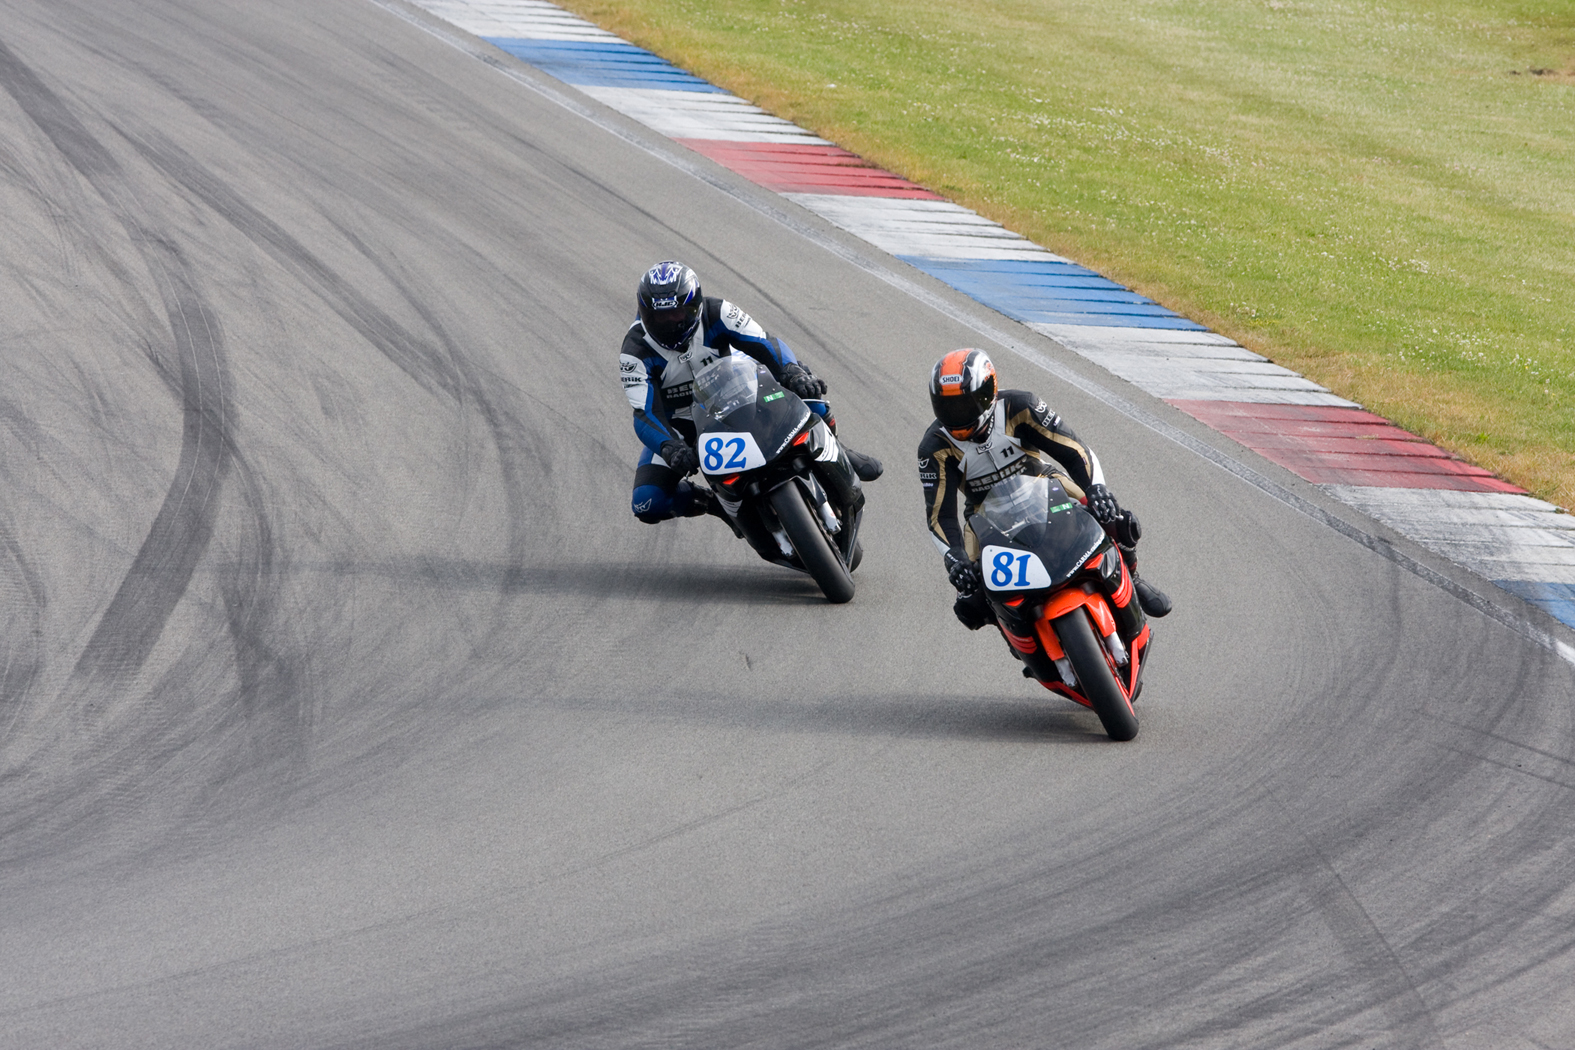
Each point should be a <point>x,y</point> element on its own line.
<point>1034,525</point>
<point>754,404</point>
<point>738,400</point>
<point>1060,534</point>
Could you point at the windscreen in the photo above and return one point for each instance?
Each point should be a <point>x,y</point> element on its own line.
<point>727,384</point>
<point>1018,502</point>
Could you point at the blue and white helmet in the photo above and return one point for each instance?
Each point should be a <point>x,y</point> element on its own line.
<point>669,299</point>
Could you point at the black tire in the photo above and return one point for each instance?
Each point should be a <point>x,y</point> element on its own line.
<point>811,543</point>
<point>1095,680</point>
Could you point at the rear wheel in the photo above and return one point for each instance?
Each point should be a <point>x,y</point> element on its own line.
<point>1095,679</point>
<point>810,541</point>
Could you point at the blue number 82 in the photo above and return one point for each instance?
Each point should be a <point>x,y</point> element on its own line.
<point>713,454</point>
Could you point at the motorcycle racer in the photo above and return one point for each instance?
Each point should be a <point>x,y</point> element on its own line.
<point>980,437</point>
<point>678,333</point>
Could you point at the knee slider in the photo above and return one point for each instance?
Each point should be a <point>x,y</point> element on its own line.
<point>651,504</point>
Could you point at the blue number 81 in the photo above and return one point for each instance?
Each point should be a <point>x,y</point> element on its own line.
<point>1001,575</point>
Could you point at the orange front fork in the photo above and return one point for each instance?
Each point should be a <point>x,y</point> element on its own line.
<point>1098,608</point>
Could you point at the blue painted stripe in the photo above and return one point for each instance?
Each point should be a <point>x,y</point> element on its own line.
<point>1071,283</point>
<point>1050,292</point>
<point>1173,321</point>
<point>595,64</point>
<point>1556,598</point>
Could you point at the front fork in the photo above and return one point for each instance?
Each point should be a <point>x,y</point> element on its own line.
<point>1110,601</point>
<point>824,475</point>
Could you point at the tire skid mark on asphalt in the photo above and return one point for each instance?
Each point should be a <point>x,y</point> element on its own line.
<point>181,531</point>
<point>22,640</point>
<point>510,437</point>
<point>441,368</point>
<point>422,363</point>
<point>1362,940</point>
<point>162,720</point>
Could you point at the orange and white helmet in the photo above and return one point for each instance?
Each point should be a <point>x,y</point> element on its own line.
<point>962,392</point>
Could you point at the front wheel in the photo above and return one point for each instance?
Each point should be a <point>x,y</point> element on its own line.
<point>813,548</point>
<point>1095,680</point>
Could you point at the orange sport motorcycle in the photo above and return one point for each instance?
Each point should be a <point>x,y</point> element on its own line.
<point>1063,598</point>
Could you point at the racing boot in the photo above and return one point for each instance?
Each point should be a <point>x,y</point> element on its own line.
<point>868,468</point>
<point>703,501</point>
<point>973,610</point>
<point>1155,602</point>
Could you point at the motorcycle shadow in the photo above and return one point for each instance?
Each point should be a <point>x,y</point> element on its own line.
<point>1049,720</point>
<point>937,717</point>
<point>757,584</point>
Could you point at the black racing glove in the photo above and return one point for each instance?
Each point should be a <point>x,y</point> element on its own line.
<point>1126,529</point>
<point>962,572</point>
<point>680,457</point>
<point>802,382</point>
<point>1102,505</point>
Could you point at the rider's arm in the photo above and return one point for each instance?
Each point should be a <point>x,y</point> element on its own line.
<point>641,388</point>
<point>1030,421</point>
<point>940,472</point>
<point>727,325</point>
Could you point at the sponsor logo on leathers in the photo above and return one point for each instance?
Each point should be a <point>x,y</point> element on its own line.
<point>979,486</point>
<point>740,322</point>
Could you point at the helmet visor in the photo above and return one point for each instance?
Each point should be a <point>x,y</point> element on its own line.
<point>672,325</point>
<point>962,410</point>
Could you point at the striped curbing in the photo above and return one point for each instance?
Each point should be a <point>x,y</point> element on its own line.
<point>1522,544</point>
<point>1459,511</point>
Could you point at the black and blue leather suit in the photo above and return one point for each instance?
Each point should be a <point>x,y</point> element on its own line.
<point>659,384</point>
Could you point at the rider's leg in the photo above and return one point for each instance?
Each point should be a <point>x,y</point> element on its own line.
<point>868,468</point>
<point>973,610</point>
<point>1126,531</point>
<point>1155,602</point>
<point>659,493</point>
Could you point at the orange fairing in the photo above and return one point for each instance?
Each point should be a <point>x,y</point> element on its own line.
<point>1018,642</point>
<point>1104,621</point>
<point>1064,603</point>
<point>1123,593</point>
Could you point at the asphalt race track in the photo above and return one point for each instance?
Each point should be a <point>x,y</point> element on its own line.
<point>344,703</point>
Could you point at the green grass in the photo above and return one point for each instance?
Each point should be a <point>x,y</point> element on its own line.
<point>1379,194</point>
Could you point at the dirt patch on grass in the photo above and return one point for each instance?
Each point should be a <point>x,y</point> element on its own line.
<point>1567,74</point>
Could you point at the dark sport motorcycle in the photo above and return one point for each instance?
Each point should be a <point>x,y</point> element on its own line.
<point>1063,598</point>
<point>779,473</point>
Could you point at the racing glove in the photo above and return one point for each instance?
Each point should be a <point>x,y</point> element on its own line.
<point>802,382</point>
<point>1102,504</point>
<point>680,457</point>
<point>1126,529</point>
<point>962,572</point>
